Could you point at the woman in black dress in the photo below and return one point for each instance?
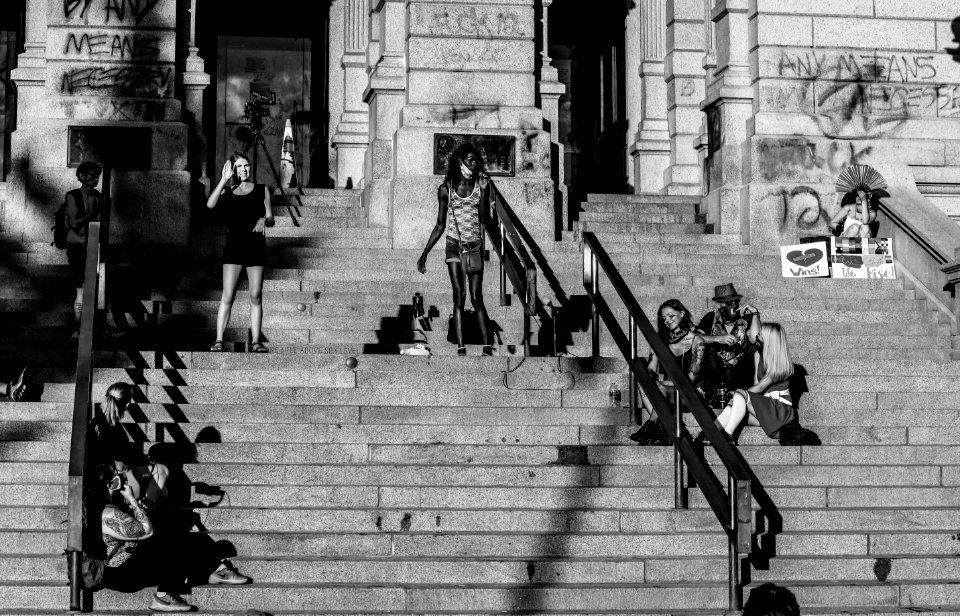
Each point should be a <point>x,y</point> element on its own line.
<point>247,211</point>
<point>464,200</point>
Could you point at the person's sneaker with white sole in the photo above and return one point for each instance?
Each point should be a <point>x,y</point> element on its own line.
<point>170,603</point>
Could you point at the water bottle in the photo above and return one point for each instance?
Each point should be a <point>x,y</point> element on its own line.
<point>614,395</point>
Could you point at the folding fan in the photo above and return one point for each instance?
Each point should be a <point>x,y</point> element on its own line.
<point>860,177</point>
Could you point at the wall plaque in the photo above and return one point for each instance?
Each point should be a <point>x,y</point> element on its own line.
<point>124,148</point>
<point>498,151</point>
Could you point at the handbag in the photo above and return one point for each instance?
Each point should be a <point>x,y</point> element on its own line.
<point>471,253</point>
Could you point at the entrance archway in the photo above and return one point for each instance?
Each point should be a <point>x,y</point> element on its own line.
<point>274,50</point>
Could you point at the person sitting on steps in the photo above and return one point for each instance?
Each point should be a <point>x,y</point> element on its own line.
<point>110,445</point>
<point>857,217</point>
<point>767,403</point>
<point>675,327</point>
<point>729,331</point>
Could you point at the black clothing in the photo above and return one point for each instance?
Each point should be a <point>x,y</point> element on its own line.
<point>243,245</point>
<point>727,366</point>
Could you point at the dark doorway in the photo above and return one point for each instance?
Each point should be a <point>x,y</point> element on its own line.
<point>12,29</point>
<point>588,40</point>
<point>276,48</point>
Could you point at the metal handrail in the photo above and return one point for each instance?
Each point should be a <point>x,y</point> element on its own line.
<point>515,261</point>
<point>733,508</point>
<point>94,298</point>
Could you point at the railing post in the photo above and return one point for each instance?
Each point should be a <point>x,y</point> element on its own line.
<point>76,592</point>
<point>632,382</point>
<point>503,269</point>
<point>735,602</point>
<point>594,289</point>
<point>679,470</point>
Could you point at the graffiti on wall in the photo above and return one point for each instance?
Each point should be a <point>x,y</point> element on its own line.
<point>862,94</point>
<point>471,21</point>
<point>136,68</point>
<point>113,46</point>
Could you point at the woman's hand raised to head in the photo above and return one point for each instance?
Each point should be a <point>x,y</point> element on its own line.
<point>227,174</point>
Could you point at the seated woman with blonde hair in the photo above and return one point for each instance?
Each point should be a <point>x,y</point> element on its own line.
<point>767,403</point>
<point>111,446</point>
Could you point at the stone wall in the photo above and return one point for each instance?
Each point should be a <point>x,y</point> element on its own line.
<point>857,81</point>
<point>93,66</point>
<point>469,70</point>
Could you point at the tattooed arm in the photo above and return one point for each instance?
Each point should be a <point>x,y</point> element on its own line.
<point>697,348</point>
<point>119,525</point>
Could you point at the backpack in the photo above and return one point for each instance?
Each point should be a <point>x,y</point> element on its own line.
<point>91,571</point>
<point>59,227</point>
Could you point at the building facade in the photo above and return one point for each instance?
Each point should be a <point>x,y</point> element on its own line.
<point>754,104</point>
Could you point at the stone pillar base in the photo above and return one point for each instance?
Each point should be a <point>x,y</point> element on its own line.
<point>683,180</point>
<point>651,158</point>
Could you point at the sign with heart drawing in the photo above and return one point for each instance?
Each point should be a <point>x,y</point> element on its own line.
<point>804,260</point>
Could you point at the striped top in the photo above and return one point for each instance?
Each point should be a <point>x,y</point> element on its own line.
<point>464,212</point>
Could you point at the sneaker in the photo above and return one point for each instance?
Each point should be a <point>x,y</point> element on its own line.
<point>18,390</point>
<point>170,603</point>
<point>227,576</point>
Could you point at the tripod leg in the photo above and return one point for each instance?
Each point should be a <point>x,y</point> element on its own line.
<point>276,177</point>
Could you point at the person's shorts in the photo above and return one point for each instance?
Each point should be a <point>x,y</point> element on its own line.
<point>452,251</point>
<point>247,250</point>
<point>77,259</point>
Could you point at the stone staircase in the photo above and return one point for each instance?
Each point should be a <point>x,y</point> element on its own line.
<point>481,485</point>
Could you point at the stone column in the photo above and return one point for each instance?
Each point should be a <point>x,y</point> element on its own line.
<point>194,81</point>
<point>729,107</point>
<point>350,139</point>
<point>385,94</point>
<point>550,92</point>
<point>651,147</point>
<point>633,87</point>
<point>685,89</point>
<point>709,66</point>
<point>31,72</point>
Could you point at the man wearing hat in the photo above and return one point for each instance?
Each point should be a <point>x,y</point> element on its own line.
<point>731,332</point>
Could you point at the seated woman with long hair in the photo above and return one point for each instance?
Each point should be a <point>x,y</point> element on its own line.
<point>111,446</point>
<point>675,327</point>
<point>767,403</point>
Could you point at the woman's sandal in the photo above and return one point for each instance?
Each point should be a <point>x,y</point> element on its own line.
<point>257,347</point>
<point>487,350</point>
<point>217,346</point>
<point>462,351</point>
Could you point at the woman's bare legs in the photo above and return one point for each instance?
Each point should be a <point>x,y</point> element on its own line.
<point>255,278</point>
<point>459,298</point>
<point>231,275</point>
<point>734,413</point>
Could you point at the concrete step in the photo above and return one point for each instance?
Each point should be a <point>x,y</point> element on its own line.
<point>630,228</point>
<point>641,199</point>
<point>642,216</point>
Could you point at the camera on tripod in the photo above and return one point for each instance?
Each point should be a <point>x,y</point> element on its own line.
<point>258,105</point>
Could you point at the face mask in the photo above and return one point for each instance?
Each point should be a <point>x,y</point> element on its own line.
<point>728,312</point>
<point>465,172</point>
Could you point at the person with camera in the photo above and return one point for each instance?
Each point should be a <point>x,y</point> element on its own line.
<point>464,200</point>
<point>247,210</point>
<point>730,332</point>
<point>110,445</point>
<point>130,560</point>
